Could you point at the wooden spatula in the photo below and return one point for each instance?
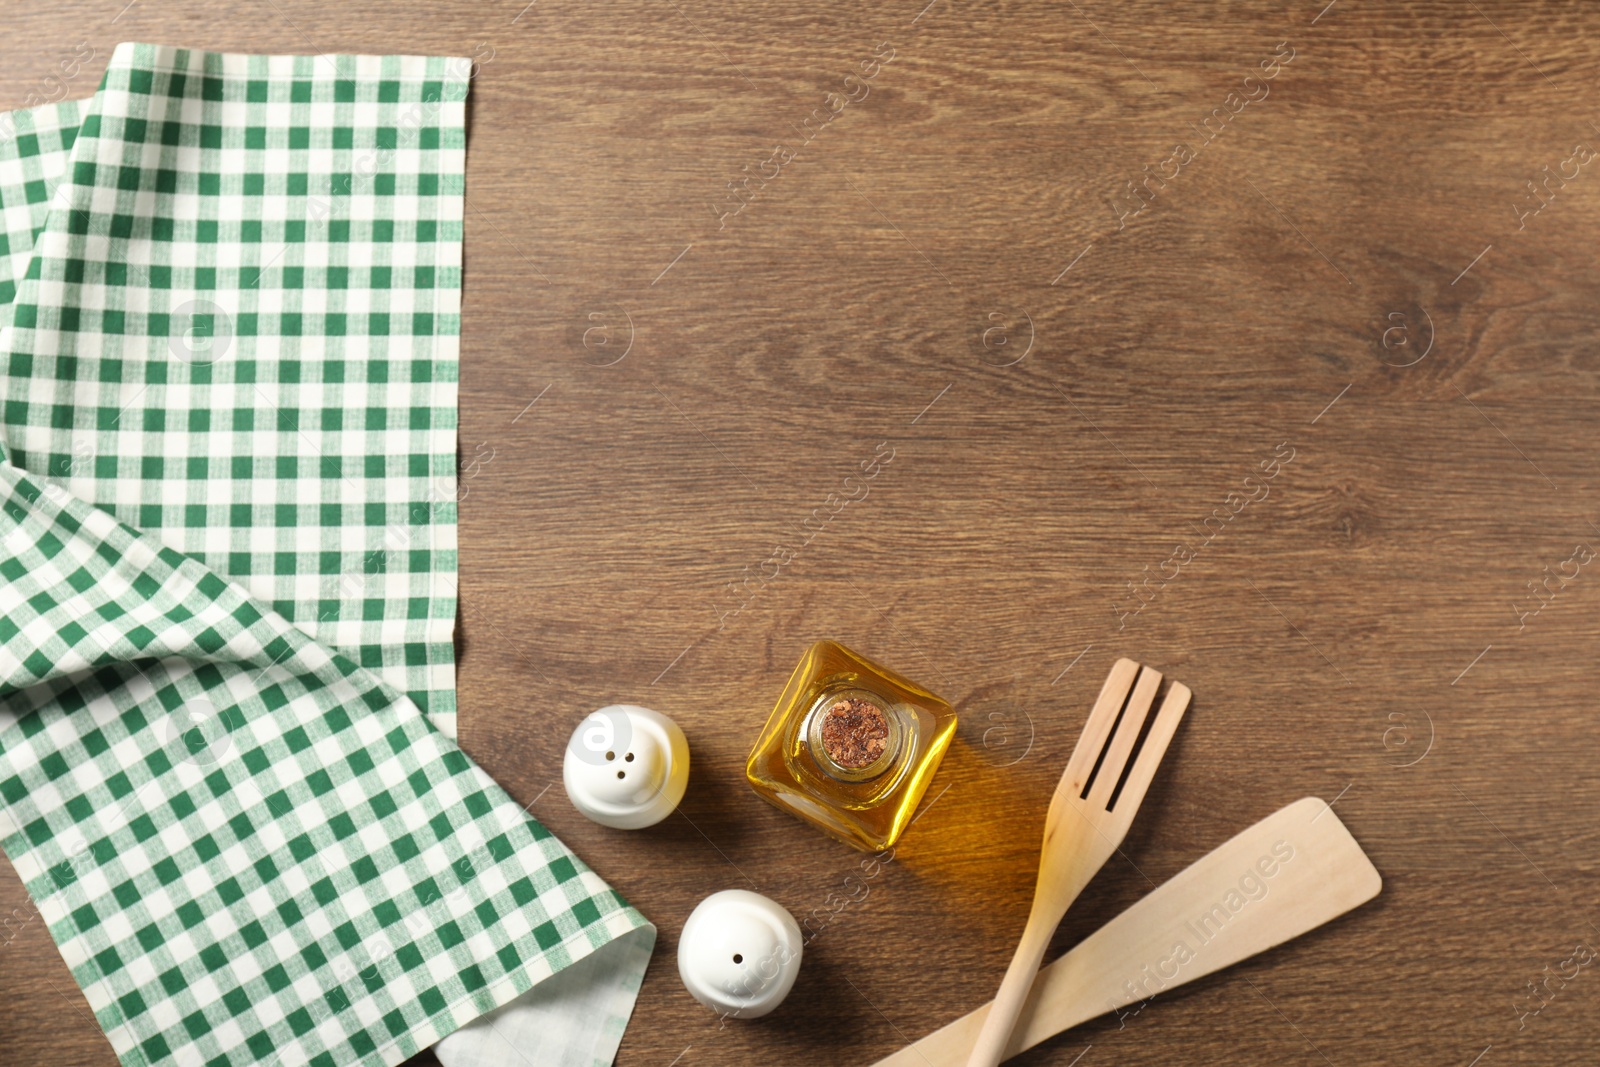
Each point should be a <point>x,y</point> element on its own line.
<point>1093,806</point>
<point>1289,873</point>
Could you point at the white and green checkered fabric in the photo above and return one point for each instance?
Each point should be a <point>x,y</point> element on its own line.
<point>231,293</point>
<point>34,148</point>
<point>245,333</point>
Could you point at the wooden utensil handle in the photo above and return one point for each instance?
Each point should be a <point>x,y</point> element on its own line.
<point>1289,873</point>
<point>990,1047</point>
<point>1059,885</point>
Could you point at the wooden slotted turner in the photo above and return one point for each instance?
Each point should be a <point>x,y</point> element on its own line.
<point>1093,806</point>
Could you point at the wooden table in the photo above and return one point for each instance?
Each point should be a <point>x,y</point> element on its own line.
<point>1075,377</point>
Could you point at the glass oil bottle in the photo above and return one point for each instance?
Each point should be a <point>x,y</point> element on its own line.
<point>850,747</point>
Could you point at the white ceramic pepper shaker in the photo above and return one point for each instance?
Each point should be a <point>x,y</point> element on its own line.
<point>739,953</point>
<point>626,766</point>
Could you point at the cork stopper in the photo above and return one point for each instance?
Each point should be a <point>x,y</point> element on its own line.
<point>854,732</point>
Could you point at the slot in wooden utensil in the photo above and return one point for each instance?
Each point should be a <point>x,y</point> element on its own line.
<point>1093,806</point>
<point>1289,873</point>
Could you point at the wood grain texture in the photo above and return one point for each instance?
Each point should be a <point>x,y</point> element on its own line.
<point>1355,613</point>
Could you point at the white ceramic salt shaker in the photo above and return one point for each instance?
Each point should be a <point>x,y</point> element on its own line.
<point>739,953</point>
<point>626,766</point>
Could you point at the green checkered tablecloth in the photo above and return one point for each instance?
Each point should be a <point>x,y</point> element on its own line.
<point>229,315</point>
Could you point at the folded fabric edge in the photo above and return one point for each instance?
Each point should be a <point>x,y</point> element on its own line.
<point>476,1013</point>
<point>600,989</point>
<point>473,1012</point>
